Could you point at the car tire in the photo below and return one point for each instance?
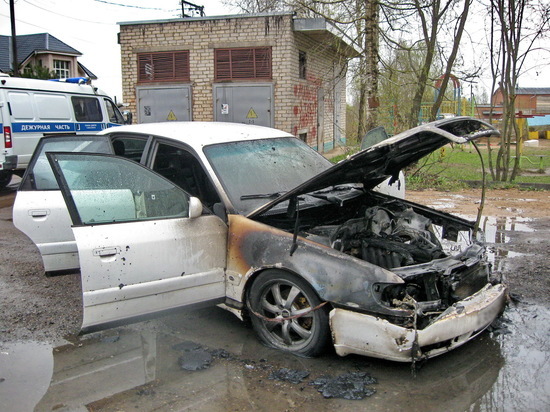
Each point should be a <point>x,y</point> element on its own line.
<point>5,178</point>
<point>276,294</point>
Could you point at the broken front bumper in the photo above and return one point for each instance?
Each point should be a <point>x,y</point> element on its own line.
<point>368,335</point>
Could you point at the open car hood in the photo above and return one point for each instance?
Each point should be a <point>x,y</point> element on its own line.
<point>376,163</point>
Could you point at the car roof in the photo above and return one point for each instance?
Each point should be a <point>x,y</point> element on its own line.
<point>199,134</point>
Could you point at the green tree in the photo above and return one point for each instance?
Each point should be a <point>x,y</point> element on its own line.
<point>37,71</point>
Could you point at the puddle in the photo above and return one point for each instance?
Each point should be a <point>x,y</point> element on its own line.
<point>25,372</point>
<point>521,384</point>
<point>442,204</point>
<point>140,370</point>
<point>496,229</point>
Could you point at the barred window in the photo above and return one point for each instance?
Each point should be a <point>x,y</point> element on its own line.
<point>243,64</point>
<point>163,66</point>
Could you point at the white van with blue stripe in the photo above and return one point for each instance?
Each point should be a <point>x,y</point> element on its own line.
<point>31,109</point>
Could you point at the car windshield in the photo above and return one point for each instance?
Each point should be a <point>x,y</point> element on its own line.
<point>256,172</point>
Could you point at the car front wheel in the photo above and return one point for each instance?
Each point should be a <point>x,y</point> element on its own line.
<point>287,314</point>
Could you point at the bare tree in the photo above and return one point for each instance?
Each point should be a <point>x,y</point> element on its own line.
<point>518,25</point>
<point>434,17</point>
<point>256,6</point>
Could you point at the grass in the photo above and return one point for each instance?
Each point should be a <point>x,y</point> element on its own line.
<point>463,163</point>
<point>449,167</point>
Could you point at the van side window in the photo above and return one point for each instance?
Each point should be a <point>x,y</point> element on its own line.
<point>87,109</point>
<point>112,111</point>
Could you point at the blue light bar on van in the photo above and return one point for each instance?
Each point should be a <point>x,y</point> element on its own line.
<point>76,80</point>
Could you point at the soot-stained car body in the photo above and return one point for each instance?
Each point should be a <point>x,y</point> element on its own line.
<point>267,227</point>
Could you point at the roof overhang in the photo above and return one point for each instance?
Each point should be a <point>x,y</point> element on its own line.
<point>322,31</point>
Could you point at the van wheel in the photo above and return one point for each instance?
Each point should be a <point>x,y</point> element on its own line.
<point>5,178</point>
<point>276,300</point>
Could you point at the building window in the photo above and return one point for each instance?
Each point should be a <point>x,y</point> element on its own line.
<point>243,64</point>
<point>302,64</point>
<point>62,69</point>
<point>163,66</point>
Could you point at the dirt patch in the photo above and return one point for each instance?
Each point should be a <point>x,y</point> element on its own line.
<point>498,203</point>
<point>34,307</point>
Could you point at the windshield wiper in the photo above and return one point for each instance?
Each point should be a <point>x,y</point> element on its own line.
<point>263,196</point>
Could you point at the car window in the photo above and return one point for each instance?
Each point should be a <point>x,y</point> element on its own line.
<point>107,189</point>
<point>40,175</point>
<point>129,147</point>
<point>182,168</point>
<point>254,172</point>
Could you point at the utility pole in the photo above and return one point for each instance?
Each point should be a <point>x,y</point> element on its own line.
<point>13,40</point>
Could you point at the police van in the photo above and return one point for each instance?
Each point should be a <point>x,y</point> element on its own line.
<point>31,109</point>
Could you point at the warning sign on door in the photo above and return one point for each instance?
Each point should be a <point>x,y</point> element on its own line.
<point>171,116</point>
<point>251,114</point>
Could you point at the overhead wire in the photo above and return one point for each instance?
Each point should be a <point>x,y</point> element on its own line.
<point>72,17</point>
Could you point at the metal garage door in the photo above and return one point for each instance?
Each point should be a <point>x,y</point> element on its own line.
<point>164,104</point>
<point>244,103</point>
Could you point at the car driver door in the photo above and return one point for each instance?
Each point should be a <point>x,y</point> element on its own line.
<point>143,244</point>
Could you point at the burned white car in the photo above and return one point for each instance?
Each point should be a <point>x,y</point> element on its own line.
<point>256,220</point>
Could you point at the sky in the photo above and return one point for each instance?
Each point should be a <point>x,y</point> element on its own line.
<point>90,26</point>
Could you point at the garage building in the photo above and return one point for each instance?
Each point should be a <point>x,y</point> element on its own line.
<point>267,69</point>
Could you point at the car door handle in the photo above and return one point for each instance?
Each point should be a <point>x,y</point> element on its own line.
<point>106,251</point>
<point>39,212</point>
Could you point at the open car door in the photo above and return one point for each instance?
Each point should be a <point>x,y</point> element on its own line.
<point>39,210</point>
<point>143,244</point>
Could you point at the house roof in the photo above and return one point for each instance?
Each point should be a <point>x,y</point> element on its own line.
<point>29,44</point>
<point>5,54</point>
<point>532,90</point>
<point>87,71</point>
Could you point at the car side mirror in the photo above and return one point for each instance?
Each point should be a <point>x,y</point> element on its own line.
<point>128,117</point>
<point>195,207</point>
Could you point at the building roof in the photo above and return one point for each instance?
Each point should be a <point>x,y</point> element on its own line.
<point>322,31</point>
<point>30,44</point>
<point>532,90</point>
<point>87,71</point>
<point>224,17</point>
<point>5,54</point>
<point>318,29</point>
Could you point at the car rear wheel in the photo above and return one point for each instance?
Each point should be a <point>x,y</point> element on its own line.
<point>287,314</point>
<point>5,178</point>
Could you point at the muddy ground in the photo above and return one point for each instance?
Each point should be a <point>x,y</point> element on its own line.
<point>45,366</point>
<point>522,220</point>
